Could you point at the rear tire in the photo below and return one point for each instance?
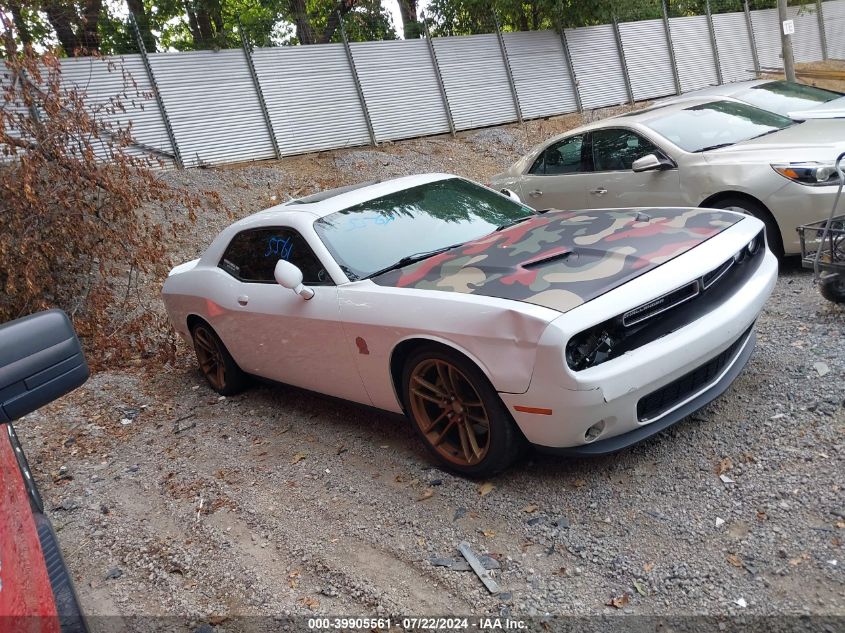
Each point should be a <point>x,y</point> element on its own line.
<point>216,363</point>
<point>458,414</point>
<point>833,288</point>
<point>749,207</point>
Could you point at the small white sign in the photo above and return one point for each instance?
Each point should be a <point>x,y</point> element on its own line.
<point>788,27</point>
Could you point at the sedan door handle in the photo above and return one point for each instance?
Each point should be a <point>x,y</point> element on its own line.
<point>600,191</point>
<point>243,300</point>
<point>535,193</point>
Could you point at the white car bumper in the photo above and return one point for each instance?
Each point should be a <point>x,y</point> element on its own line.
<point>679,373</point>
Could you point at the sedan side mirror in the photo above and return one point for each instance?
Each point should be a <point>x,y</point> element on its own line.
<point>651,162</point>
<point>510,194</point>
<point>289,276</point>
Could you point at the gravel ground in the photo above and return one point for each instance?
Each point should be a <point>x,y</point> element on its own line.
<point>170,501</point>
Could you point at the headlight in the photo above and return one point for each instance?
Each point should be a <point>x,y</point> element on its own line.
<point>754,245</point>
<point>810,173</point>
<point>589,348</point>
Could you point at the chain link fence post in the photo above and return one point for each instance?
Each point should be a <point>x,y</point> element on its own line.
<point>357,80</point>
<point>177,155</point>
<point>507,64</point>
<point>714,43</point>
<point>822,32</point>
<point>751,37</point>
<point>439,75</point>
<point>247,48</point>
<point>671,46</point>
<point>618,36</point>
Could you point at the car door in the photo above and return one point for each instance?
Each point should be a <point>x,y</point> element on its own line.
<point>273,332</point>
<point>612,183</point>
<point>552,181</point>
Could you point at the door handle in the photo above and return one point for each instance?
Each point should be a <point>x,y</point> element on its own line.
<point>535,193</point>
<point>599,191</point>
<point>243,300</point>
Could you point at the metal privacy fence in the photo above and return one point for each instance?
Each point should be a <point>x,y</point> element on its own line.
<point>217,107</point>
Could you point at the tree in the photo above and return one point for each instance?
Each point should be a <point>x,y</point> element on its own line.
<point>205,21</point>
<point>84,221</point>
<point>96,26</point>
<point>142,20</point>
<point>410,23</point>
<point>76,25</point>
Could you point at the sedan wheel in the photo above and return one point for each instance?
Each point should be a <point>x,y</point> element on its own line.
<point>459,415</point>
<point>215,362</point>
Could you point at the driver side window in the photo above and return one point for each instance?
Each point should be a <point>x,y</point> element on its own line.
<point>564,157</point>
<point>252,255</point>
<point>616,150</point>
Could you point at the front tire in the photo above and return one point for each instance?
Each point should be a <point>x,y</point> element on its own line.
<point>833,288</point>
<point>458,414</point>
<point>216,363</point>
<point>749,207</point>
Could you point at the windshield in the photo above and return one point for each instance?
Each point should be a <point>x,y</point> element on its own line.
<point>716,124</point>
<point>784,97</point>
<point>378,233</point>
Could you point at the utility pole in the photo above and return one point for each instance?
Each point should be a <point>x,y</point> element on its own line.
<point>787,28</point>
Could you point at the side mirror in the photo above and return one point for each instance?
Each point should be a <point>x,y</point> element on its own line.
<point>289,276</point>
<point>650,162</point>
<point>510,194</point>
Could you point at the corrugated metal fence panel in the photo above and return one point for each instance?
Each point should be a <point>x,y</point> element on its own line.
<point>401,89</point>
<point>694,52</point>
<point>538,64</point>
<point>598,68</point>
<point>212,106</point>
<point>767,34</point>
<point>104,81</point>
<point>806,43</point>
<point>647,55</point>
<point>476,80</point>
<point>311,96</point>
<point>734,46</point>
<point>834,20</point>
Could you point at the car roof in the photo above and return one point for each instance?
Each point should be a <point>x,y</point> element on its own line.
<point>330,201</point>
<point>721,90</point>
<point>638,117</point>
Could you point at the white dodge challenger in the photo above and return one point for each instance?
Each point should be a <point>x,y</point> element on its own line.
<point>490,325</point>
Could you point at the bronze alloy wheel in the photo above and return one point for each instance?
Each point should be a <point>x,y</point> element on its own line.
<point>449,411</point>
<point>210,357</point>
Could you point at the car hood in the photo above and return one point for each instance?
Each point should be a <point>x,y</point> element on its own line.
<point>834,109</point>
<point>561,259</point>
<point>820,140</point>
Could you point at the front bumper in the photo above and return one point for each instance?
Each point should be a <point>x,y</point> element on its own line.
<point>794,205</point>
<point>617,397</point>
<point>688,406</point>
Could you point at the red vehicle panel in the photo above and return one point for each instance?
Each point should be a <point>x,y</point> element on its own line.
<point>26,596</point>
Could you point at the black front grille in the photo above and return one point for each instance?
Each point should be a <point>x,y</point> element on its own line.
<point>661,304</point>
<point>678,390</point>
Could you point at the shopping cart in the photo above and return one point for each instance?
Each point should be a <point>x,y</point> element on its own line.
<point>823,248</point>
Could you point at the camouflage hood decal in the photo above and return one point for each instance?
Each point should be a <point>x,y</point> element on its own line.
<point>562,259</point>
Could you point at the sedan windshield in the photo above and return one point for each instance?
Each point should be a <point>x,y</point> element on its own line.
<point>784,97</point>
<point>716,124</point>
<point>408,225</point>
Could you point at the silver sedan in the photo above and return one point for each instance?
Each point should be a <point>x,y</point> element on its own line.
<point>795,100</point>
<point>700,153</point>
